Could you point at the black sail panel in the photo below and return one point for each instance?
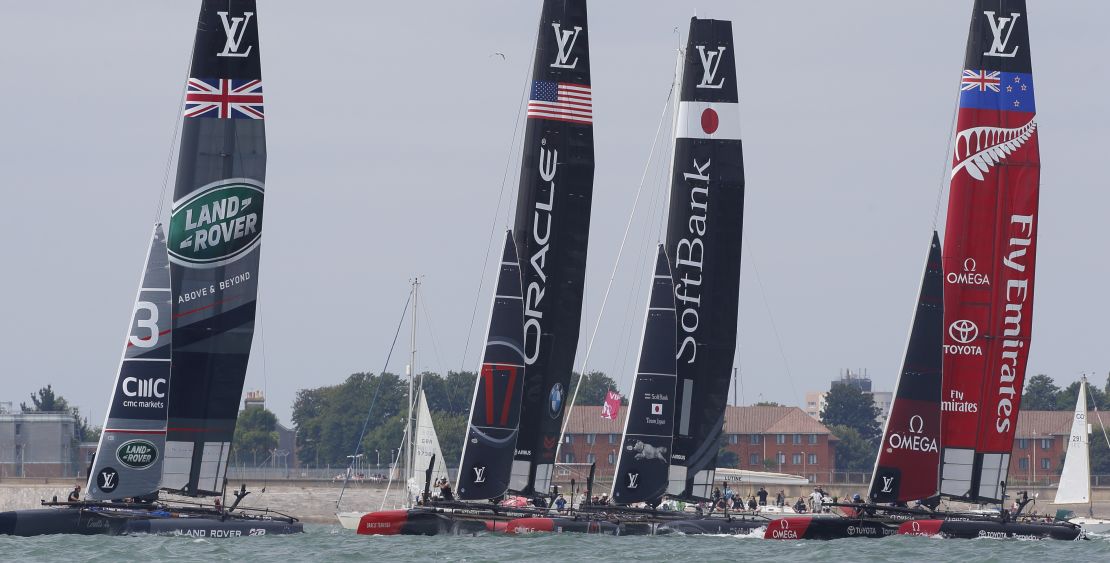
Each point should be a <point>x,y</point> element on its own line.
<point>487,454</point>
<point>551,230</point>
<point>132,443</point>
<point>214,240</point>
<point>644,458</point>
<point>703,243</point>
<point>908,465</point>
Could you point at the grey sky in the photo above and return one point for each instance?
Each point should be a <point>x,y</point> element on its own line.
<point>389,128</point>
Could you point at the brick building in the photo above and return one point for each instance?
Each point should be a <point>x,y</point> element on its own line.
<point>780,439</point>
<point>1041,439</point>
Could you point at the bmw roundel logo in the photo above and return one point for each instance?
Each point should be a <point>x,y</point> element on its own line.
<point>555,400</point>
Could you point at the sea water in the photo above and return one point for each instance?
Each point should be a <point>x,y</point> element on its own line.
<point>322,543</point>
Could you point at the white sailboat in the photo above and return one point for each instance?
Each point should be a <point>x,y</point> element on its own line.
<point>425,449</point>
<point>1075,479</point>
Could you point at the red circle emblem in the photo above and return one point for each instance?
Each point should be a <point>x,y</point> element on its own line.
<point>709,121</point>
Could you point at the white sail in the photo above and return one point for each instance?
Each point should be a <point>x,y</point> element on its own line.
<point>425,446</point>
<point>1075,480</point>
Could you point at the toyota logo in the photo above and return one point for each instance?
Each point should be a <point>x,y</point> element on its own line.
<point>963,331</point>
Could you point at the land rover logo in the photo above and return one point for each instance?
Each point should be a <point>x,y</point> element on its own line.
<point>217,223</point>
<point>137,454</point>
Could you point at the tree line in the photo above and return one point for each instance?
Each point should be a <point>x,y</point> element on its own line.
<point>329,419</point>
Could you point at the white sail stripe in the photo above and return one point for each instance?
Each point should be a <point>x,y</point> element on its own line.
<point>166,289</point>
<point>654,373</point>
<point>542,106</point>
<point>513,297</point>
<point>503,364</point>
<point>660,308</point>
<point>146,359</point>
<point>582,89</point>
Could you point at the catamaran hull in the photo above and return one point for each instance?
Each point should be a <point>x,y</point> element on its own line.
<point>969,529</point>
<point>692,526</point>
<point>827,528</point>
<point>39,522</point>
<point>423,523</point>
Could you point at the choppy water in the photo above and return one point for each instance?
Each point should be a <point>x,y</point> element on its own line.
<point>330,543</point>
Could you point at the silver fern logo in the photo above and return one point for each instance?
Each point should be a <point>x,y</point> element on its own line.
<point>980,148</point>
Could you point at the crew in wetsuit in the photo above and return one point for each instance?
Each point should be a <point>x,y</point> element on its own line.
<point>445,492</point>
<point>762,494</point>
<point>75,494</point>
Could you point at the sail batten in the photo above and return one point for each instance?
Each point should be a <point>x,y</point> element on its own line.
<point>214,244</point>
<point>551,229</point>
<point>989,253</point>
<point>705,223</point>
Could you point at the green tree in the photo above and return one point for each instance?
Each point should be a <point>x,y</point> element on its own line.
<point>853,452</point>
<point>847,405</point>
<point>329,418</point>
<point>1100,453</point>
<point>45,400</point>
<point>593,389</point>
<point>1065,399</point>
<point>1041,394</point>
<point>255,435</point>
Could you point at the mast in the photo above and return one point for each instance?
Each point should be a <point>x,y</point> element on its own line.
<point>551,230</point>
<point>989,253</point>
<point>129,456</point>
<point>215,235</point>
<point>704,228</point>
<point>410,470</point>
<point>641,471</point>
<point>908,461</point>
<point>485,465</point>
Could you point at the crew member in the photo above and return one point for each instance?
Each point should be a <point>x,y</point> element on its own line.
<point>762,494</point>
<point>75,494</point>
<point>445,492</point>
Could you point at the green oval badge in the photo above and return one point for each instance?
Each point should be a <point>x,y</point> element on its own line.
<point>137,454</point>
<point>216,224</point>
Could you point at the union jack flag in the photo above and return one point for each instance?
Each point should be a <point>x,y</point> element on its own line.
<point>224,98</point>
<point>980,80</point>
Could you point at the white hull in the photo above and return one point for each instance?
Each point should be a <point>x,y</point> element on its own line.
<point>1093,525</point>
<point>349,520</point>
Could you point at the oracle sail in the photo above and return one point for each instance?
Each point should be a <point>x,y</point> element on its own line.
<point>703,245</point>
<point>132,445</point>
<point>487,453</point>
<point>989,253</point>
<point>214,238</point>
<point>906,468</point>
<point>644,457</point>
<point>551,230</point>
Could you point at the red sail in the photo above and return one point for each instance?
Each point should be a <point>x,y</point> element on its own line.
<point>989,250</point>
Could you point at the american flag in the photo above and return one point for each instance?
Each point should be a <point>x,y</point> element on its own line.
<point>224,98</point>
<point>980,80</point>
<point>561,101</point>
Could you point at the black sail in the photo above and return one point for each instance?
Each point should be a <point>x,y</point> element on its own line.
<point>644,458</point>
<point>551,229</point>
<point>908,465</point>
<point>703,244</point>
<point>130,453</point>
<point>487,454</point>
<point>214,239</point>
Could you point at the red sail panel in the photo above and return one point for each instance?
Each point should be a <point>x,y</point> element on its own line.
<point>909,456</point>
<point>989,250</point>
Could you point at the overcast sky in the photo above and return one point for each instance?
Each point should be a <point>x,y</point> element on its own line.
<point>389,128</point>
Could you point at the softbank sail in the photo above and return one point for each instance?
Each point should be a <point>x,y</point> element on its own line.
<point>989,254</point>
<point>551,230</point>
<point>704,227</point>
<point>214,244</point>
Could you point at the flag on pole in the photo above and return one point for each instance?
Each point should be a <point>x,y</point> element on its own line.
<point>612,405</point>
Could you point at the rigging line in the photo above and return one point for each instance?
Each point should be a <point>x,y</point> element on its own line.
<point>496,214</point>
<point>946,166</point>
<point>262,340</point>
<point>435,352</point>
<point>774,326</point>
<point>613,274</point>
<point>173,140</point>
<point>393,469</point>
<point>1094,403</point>
<point>374,399</point>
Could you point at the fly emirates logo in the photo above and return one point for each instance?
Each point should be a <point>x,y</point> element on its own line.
<point>1015,323</point>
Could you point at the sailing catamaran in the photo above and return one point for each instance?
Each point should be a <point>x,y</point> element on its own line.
<point>982,341</point>
<point>175,400</point>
